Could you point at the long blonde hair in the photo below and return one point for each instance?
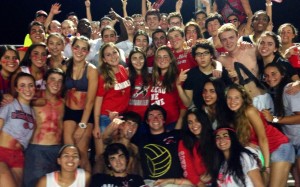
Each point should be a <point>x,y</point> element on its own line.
<point>105,69</point>
<point>241,122</point>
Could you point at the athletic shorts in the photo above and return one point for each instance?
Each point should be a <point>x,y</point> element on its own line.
<point>13,158</point>
<point>76,115</point>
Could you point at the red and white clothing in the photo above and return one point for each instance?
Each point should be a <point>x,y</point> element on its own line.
<point>185,60</point>
<point>140,97</point>
<point>227,10</point>
<point>116,98</point>
<point>170,101</point>
<point>52,179</point>
<point>192,164</point>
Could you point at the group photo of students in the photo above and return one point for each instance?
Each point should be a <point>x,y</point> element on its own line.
<point>148,100</point>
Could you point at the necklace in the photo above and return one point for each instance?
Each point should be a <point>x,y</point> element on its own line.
<point>26,124</point>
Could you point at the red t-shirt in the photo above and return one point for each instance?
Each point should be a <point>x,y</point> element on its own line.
<point>140,97</point>
<point>192,164</point>
<point>116,98</point>
<point>170,101</point>
<point>295,59</point>
<point>185,60</point>
<point>274,136</point>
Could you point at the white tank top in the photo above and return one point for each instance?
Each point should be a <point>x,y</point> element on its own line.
<point>79,181</point>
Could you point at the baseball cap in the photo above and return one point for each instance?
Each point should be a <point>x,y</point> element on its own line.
<point>41,13</point>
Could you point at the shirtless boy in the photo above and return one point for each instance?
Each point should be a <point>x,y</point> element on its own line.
<point>42,152</point>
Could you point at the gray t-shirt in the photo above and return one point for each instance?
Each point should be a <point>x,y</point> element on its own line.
<point>291,104</point>
<point>17,123</point>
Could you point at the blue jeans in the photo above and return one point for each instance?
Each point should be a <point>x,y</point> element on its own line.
<point>104,122</point>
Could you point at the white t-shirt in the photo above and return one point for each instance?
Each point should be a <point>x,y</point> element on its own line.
<point>79,181</point>
<point>248,164</point>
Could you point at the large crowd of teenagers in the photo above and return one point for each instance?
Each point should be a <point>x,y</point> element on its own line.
<point>214,102</point>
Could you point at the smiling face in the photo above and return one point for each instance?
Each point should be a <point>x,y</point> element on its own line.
<point>111,56</point>
<point>194,125</point>
<point>54,83</point>
<point>260,22</point>
<point>55,46</point>
<point>38,57</point>
<point>272,76</point>
<point>80,50</point>
<point>9,62</point>
<point>234,99</point>
<point>37,34</point>
<point>176,40</point>
<point>69,159</point>
<point>229,40</point>
<point>152,22</point>
<point>209,94</point>
<point>159,39</point>
<point>67,28</point>
<point>109,36</point>
<point>287,35</point>
<point>200,19</point>
<point>156,121</point>
<point>128,129</point>
<point>142,42</point>
<point>138,61</point>
<point>25,89</point>
<point>266,46</point>
<point>163,59</point>
<point>223,141</point>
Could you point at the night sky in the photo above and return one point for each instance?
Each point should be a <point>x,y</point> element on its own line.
<point>17,14</point>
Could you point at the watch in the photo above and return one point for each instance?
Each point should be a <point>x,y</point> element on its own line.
<point>82,125</point>
<point>275,119</point>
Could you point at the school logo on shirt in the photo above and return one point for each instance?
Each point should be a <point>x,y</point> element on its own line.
<point>122,85</point>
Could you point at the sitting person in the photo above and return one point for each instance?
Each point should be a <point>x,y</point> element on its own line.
<point>237,166</point>
<point>116,158</point>
<point>69,174</point>
<point>121,131</point>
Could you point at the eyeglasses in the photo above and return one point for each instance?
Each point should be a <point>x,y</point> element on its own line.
<point>233,20</point>
<point>205,53</point>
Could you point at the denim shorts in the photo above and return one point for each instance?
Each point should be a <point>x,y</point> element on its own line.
<point>104,122</point>
<point>297,150</point>
<point>284,153</point>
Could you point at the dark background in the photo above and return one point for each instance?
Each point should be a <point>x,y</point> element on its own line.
<point>17,14</point>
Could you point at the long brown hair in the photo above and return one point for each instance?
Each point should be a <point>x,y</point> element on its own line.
<point>241,122</point>
<point>105,69</point>
<point>169,78</point>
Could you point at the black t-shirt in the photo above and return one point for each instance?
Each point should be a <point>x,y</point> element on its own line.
<point>104,180</point>
<point>159,155</point>
<point>195,82</point>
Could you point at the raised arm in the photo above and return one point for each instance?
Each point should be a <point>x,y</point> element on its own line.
<point>124,6</point>
<point>55,9</point>
<point>178,6</point>
<point>88,10</point>
<point>269,5</point>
